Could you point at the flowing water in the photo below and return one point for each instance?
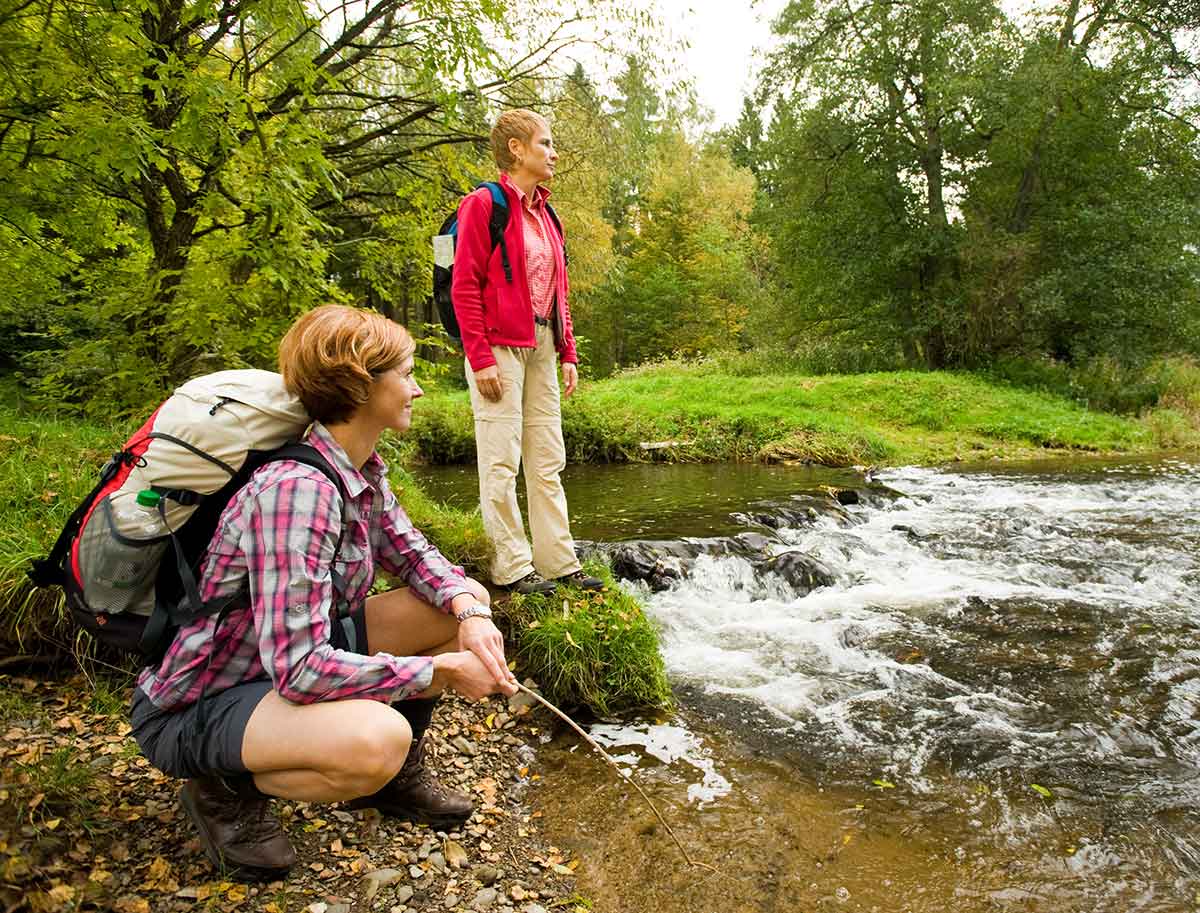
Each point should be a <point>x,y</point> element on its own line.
<point>994,705</point>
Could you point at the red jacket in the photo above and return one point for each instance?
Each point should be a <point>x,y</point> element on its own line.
<point>492,311</point>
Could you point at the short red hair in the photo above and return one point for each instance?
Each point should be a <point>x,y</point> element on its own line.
<point>516,124</point>
<point>331,356</point>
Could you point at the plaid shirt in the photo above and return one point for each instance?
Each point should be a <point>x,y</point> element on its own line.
<point>539,253</point>
<point>278,534</point>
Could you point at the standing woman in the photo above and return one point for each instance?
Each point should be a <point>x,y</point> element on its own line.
<point>511,305</point>
<point>305,687</point>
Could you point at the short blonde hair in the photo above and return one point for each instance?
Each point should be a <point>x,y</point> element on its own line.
<point>331,356</point>
<point>516,124</point>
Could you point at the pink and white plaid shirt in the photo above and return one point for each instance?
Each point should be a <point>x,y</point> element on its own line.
<point>539,254</point>
<point>278,534</point>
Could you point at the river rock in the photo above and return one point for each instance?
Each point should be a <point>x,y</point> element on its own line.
<point>804,572</point>
<point>380,878</point>
<point>484,899</point>
<point>640,561</point>
<point>404,894</point>
<point>486,874</point>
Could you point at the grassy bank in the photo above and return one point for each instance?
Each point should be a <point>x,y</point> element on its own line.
<point>700,412</point>
<point>48,465</point>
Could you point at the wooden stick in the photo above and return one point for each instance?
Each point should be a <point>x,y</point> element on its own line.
<point>627,777</point>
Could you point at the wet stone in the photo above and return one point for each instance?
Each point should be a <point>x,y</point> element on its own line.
<point>380,878</point>
<point>484,899</point>
<point>487,874</point>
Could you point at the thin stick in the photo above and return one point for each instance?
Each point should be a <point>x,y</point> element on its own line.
<point>627,777</point>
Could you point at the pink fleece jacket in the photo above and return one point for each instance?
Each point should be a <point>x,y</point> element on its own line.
<point>492,311</point>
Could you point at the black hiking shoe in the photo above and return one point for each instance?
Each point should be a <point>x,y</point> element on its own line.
<point>531,583</point>
<point>581,580</point>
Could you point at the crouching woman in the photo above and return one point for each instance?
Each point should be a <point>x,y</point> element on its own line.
<point>307,688</point>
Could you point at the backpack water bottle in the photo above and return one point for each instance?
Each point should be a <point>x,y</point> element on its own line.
<point>120,562</point>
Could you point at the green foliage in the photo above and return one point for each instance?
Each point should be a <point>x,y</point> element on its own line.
<point>443,430</point>
<point>958,185</point>
<point>594,649</point>
<point>179,181</point>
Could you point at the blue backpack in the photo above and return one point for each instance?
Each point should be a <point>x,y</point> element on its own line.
<point>446,240</point>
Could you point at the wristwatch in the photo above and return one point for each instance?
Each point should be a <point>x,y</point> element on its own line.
<point>479,610</point>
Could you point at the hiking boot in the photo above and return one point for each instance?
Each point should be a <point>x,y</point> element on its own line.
<point>414,794</point>
<point>237,830</point>
<point>581,580</point>
<point>531,583</point>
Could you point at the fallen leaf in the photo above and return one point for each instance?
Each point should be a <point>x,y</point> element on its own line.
<point>159,877</point>
<point>1041,790</point>
<point>455,854</point>
<point>237,893</point>
<point>131,903</point>
<point>62,893</point>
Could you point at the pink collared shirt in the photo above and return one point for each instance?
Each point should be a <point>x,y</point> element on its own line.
<point>277,537</point>
<point>539,254</point>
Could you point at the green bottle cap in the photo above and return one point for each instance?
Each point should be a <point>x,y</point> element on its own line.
<point>148,498</point>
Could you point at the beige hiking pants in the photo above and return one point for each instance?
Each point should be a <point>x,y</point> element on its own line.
<point>524,428</point>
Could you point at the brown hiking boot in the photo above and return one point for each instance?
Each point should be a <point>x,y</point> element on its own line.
<point>414,794</point>
<point>237,830</point>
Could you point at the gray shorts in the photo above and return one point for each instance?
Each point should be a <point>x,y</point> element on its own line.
<point>173,740</point>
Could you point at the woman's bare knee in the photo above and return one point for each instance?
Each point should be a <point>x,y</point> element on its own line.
<point>371,756</point>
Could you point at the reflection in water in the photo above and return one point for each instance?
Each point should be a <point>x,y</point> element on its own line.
<point>649,500</point>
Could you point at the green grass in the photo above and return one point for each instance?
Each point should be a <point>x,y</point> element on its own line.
<point>897,417</point>
<point>62,778</point>
<point>594,649</point>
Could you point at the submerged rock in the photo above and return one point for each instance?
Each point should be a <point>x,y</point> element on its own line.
<point>804,572</point>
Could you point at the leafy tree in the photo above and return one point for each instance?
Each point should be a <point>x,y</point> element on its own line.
<point>939,177</point>
<point>182,170</point>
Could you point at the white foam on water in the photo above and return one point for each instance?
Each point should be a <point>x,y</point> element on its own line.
<point>673,746</point>
<point>1121,542</point>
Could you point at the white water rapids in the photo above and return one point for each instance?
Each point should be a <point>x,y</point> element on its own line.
<point>982,621</point>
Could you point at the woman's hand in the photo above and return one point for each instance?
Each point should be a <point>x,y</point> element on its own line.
<point>570,378</point>
<point>487,382</point>
<point>465,673</point>
<point>482,638</point>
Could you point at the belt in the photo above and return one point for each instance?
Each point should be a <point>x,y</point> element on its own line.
<point>541,321</point>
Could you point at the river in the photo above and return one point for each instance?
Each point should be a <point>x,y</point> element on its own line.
<point>993,705</point>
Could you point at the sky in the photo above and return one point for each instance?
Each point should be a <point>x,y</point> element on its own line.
<point>726,40</point>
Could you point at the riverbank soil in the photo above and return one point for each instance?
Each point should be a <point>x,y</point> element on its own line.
<point>87,824</point>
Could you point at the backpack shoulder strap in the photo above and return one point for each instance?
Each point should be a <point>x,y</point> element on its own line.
<point>191,606</point>
<point>498,223</point>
